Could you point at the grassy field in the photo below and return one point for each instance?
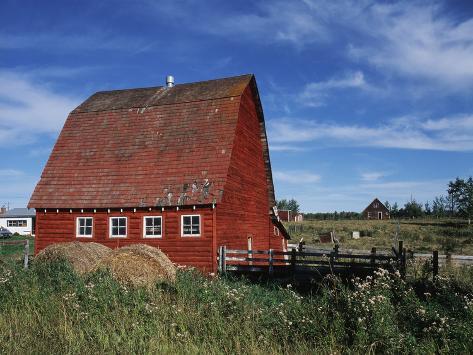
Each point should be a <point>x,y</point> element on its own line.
<point>50,309</point>
<point>15,251</point>
<point>455,236</point>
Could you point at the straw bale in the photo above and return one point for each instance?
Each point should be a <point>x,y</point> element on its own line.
<point>83,256</point>
<point>139,265</point>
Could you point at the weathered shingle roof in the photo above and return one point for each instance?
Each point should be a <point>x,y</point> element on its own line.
<point>157,96</point>
<point>146,147</point>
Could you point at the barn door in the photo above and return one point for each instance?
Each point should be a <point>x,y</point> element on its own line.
<point>380,215</point>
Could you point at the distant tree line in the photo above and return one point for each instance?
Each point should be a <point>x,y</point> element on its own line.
<point>291,205</point>
<point>458,202</point>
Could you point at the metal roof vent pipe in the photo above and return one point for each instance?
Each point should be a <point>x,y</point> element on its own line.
<point>169,81</point>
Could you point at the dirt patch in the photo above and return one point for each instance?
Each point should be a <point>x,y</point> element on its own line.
<point>139,265</point>
<point>84,257</point>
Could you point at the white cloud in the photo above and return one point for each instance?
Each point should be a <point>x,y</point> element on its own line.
<point>28,109</point>
<point>372,176</point>
<point>296,177</point>
<point>16,190</point>
<point>285,148</point>
<point>95,40</point>
<point>315,94</point>
<point>355,197</point>
<point>446,134</point>
<point>10,173</point>
<point>419,40</point>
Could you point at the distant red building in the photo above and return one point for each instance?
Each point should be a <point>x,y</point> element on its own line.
<point>184,168</point>
<point>285,215</point>
<point>289,216</point>
<point>376,210</point>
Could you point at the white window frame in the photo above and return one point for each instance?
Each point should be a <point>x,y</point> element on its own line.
<point>110,227</point>
<point>78,228</point>
<point>15,223</point>
<point>182,225</point>
<point>144,227</point>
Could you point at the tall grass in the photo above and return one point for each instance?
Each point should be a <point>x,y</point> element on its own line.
<point>50,309</point>
<point>445,235</point>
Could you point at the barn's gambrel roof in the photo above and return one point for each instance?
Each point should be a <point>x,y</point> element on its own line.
<point>148,147</point>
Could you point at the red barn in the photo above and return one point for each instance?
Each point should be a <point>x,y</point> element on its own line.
<point>184,168</point>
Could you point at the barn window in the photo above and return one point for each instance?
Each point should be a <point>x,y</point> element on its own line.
<point>17,223</point>
<point>84,227</point>
<point>118,227</point>
<point>190,225</point>
<point>375,205</point>
<point>152,227</point>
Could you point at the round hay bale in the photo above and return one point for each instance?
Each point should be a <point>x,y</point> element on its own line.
<point>139,265</point>
<point>83,256</point>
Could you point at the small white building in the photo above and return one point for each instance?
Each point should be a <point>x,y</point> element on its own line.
<point>19,220</point>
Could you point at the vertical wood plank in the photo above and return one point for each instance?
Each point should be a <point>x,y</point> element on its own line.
<point>293,260</point>
<point>271,256</point>
<point>224,261</point>
<point>435,264</point>
<point>373,257</point>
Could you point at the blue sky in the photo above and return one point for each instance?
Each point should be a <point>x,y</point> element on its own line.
<point>362,99</point>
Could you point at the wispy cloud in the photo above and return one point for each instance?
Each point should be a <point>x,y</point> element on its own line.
<point>447,134</point>
<point>10,173</point>
<point>372,176</point>
<point>29,109</point>
<point>355,197</point>
<point>285,148</point>
<point>296,177</point>
<point>88,41</point>
<point>316,93</point>
<point>418,39</point>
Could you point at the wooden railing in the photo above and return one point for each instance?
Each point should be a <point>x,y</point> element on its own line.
<point>26,249</point>
<point>296,261</point>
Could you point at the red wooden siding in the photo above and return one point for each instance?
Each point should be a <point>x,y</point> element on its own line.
<point>55,227</point>
<point>244,210</point>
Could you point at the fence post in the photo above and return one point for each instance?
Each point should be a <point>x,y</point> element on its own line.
<point>435,263</point>
<point>402,259</point>
<point>271,255</point>
<point>27,253</point>
<point>293,260</point>
<point>224,259</point>
<point>222,264</point>
<point>373,257</point>
<point>220,268</point>
<point>404,263</point>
